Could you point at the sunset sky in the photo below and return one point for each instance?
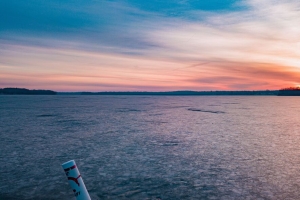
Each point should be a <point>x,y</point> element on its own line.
<point>154,45</point>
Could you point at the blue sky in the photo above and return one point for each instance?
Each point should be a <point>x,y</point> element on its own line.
<point>115,23</point>
<point>149,45</point>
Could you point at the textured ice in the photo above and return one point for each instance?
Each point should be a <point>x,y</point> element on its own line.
<point>154,149</point>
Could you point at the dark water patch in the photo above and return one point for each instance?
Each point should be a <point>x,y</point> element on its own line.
<point>177,106</point>
<point>128,110</point>
<point>85,106</point>
<point>156,122</point>
<point>47,115</point>
<point>110,132</point>
<point>145,97</point>
<point>170,143</point>
<point>156,114</point>
<point>208,111</point>
<point>231,103</point>
<point>172,107</point>
<point>68,121</point>
<point>244,108</point>
<point>213,105</point>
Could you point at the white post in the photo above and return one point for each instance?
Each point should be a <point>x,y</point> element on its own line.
<point>75,180</point>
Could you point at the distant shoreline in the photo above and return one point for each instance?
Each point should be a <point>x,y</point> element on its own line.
<point>24,91</point>
<point>188,93</point>
<point>284,92</point>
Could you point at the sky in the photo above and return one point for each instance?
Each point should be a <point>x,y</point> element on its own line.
<point>154,45</point>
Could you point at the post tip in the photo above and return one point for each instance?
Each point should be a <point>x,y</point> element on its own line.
<point>68,164</point>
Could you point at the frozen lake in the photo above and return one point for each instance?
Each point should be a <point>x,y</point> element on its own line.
<point>151,147</point>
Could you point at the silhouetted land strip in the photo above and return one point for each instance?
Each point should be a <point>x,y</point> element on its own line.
<point>188,93</point>
<point>291,91</point>
<point>23,91</point>
<point>283,92</point>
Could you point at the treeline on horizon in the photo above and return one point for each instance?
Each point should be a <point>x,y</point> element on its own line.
<point>188,93</point>
<point>25,91</point>
<point>292,91</point>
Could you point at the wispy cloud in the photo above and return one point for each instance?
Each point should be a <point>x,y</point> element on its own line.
<point>116,45</point>
<point>256,34</point>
